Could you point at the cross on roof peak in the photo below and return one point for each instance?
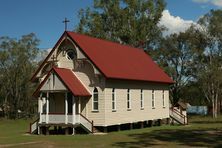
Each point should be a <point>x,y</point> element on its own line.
<point>65,22</point>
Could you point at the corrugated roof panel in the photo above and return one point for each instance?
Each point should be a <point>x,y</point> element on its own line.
<point>120,61</point>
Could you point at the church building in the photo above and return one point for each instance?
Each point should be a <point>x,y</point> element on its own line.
<point>92,84</point>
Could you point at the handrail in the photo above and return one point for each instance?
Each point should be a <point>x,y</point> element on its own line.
<point>30,125</point>
<point>178,113</point>
<point>35,121</point>
<point>181,115</point>
<point>85,118</point>
<point>91,122</point>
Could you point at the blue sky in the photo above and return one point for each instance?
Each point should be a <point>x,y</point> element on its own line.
<point>44,17</point>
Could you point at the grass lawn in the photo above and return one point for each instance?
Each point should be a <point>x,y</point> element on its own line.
<point>202,131</point>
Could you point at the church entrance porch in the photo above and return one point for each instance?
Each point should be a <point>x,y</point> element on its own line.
<point>61,112</point>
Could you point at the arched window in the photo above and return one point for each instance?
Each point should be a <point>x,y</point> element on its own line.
<point>141,99</point>
<point>113,100</point>
<point>71,54</point>
<point>95,101</point>
<point>128,99</point>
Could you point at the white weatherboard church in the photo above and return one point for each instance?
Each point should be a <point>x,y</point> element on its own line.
<point>92,84</point>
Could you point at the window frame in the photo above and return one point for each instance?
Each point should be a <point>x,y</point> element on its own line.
<point>153,99</point>
<point>163,99</point>
<point>141,99</point>
<point>129,107</point>
<point>95,92</point>
<point>113,99</point>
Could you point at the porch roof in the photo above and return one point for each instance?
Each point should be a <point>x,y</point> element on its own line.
<point>69,79</point>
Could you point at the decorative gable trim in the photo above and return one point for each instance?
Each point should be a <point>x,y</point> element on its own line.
<point>69,83</point>
<point>48,56</point>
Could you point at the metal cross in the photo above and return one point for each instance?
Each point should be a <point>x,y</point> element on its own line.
<point>65,22</point>
<point>53,58</point>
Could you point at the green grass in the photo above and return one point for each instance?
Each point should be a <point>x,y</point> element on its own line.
<point>202,131</point>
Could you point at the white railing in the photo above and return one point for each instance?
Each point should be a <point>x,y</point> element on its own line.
<point>86,123</point>
<point>178,116</point>
<point>60,118</point>
<point>57,118</point>
<point>34,126</point>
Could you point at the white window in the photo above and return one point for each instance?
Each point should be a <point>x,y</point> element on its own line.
<point>128,99</point>
<point>153,99</point>
<point>141,99</point>
<point>113,99</point>
<point>95,102</point>
<point>163,97</point>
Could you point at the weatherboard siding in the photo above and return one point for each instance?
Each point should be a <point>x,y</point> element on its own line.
<point>85,72</point>
<point>123,115</point>
<point>86,75</point>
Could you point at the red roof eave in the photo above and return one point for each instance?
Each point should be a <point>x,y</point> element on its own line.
<point>71,82</point>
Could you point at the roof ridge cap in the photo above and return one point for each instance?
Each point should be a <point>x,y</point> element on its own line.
<point>105,40</point>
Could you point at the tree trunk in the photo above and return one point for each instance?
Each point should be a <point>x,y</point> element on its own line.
<point>216,107</point>
<point>213,108</point>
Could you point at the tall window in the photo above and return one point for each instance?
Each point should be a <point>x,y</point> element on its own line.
<point>95,100</point>
<point>128,99</point>
<point>153,99</point>
<point>113,99</point>
<point>141,99</point>
<point>163,97</point>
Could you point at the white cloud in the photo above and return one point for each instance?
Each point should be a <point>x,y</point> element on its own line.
<point>217,3</point>
<point>174,24</point>
<point>213,2</point>
<point>49,49</point>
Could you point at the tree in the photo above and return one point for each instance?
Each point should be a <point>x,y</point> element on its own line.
<point>210,67</point>
<point>129,22</point>
<point>177,56</point>
<point>17,58</point>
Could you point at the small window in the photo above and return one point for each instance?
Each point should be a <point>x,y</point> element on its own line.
<point>163,97</point>
<point>71,54</point>
<point>128,100</point>
<point>141,99</point>
<point>153,99</point>
<point>113,99</point>
<point>95,100</point>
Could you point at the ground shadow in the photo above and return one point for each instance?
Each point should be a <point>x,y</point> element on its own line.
<point>207,122</point>
<point>194,138</point>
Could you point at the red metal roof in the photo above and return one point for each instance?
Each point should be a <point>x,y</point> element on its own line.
<point>120,61</point>
<point>69,79</point>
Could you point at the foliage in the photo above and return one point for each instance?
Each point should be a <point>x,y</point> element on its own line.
<point>192,94</point>
<point>210,69</point>
<point>129,22</point>
<point>177,56</point>
<point>17,58</point>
